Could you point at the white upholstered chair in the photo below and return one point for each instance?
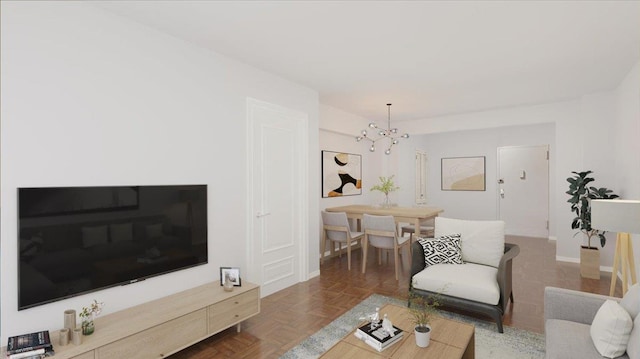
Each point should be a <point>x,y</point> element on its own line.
<point>426,230</point>
<point>336,229</point>
<point>482,284</point>
<point>381,232</point>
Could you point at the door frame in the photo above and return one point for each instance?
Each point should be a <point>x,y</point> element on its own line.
<point>253,273</point>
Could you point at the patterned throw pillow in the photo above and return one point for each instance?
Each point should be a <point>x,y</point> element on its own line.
<point>444,249</point>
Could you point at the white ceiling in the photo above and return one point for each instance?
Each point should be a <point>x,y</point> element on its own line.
<point>428,58</point>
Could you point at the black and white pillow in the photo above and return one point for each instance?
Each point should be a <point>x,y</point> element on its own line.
<point>444,249</point>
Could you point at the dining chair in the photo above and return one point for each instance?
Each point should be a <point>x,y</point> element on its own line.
<point>336,229</point>
<point>425,230</point>
<point>381,233</point>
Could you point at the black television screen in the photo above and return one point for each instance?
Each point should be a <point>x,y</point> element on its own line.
<point>74,240</point>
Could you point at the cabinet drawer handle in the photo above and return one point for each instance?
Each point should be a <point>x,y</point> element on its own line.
<point>237,302</point>
<point>237,315</point>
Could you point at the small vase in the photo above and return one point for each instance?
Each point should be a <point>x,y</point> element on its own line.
<point>70,319</point>
<point>386,203</point>
<point>88,326</point>
<point>423,335</point>
<point>228,283</point>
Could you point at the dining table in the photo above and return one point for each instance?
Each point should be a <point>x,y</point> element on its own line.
<point>412,215</point>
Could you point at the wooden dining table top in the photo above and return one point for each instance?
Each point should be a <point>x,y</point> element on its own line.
<point>396,211</point>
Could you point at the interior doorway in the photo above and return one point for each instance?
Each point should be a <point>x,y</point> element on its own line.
<point>277,208</point>
<point>523,190</point>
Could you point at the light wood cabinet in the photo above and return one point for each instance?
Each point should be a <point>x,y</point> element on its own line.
<point>231,311</point>
<point>164,326</point>
<point>160,340</point>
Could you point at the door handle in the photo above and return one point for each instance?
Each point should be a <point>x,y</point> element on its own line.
<point>258,215</point>
<point>501,193</point>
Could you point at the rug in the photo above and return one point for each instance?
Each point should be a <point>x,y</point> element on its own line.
<point>512,344</point>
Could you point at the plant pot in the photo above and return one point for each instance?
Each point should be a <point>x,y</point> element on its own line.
<point>589,262</point>
<point>423,335</point>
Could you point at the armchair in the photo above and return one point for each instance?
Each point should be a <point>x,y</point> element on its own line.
<point>483,284</point>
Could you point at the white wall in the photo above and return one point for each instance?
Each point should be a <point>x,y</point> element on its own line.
<point>469,204</point>
<point>90,98</point>
<point>338,130</point>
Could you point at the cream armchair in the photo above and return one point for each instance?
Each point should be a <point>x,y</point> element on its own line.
<point>482,284</point>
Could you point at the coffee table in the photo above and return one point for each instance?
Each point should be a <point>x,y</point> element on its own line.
<point>449,339</point>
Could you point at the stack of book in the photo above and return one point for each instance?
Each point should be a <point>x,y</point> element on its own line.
<point>30,346</point>
<point>376,337</point>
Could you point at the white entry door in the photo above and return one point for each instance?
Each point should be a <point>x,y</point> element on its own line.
<point>523,190</point>
<point>277,208</point>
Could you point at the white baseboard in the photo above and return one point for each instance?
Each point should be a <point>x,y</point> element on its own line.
<point>577,260</point>
<point>314,274</point>
<point>567,259</point>
<point>553,238</point>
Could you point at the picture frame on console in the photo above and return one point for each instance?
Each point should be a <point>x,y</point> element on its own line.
<point>233,273</point>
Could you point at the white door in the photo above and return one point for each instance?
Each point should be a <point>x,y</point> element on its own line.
<point>277,209</point>
<point>523,190</point>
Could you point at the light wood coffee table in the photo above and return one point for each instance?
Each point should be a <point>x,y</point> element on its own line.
<point>449,339</point>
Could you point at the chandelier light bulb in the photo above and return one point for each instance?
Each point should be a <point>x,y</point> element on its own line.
<point>406,135</point>
<point>359,138</point>
<point>395,142</point>
<point>394,130</point>
<point>364,133</point>
<point>373,125</point>
<point>388,151</point>
<point>372,148</point>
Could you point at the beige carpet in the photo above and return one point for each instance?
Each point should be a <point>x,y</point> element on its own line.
<point>512,344</point>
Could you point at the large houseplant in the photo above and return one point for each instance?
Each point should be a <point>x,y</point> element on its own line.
<point>386,186</point>
<point>581,195</point>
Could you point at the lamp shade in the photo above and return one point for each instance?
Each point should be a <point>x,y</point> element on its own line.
<point>615,215</point>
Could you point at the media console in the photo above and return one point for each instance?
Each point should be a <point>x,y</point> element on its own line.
<point>164,326</point>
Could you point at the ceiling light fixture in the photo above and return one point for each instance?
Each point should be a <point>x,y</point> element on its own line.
<point>390,133</point>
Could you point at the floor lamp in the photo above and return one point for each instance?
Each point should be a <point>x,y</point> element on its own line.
<point>622,216</point>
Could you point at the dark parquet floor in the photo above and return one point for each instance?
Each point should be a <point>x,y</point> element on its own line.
<point>289,316</point>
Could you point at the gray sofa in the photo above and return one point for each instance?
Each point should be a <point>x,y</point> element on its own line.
<point>568,316</point>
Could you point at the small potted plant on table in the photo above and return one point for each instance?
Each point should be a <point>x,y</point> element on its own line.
<point>88,314</point>
<point>421,310</point>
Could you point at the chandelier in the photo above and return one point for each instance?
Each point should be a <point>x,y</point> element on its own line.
<point>390,133</point>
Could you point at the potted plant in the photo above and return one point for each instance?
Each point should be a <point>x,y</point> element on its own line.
<point>88,314</point>
<point>421,310</point>
<point>386,186</point>
<point>581,196</point>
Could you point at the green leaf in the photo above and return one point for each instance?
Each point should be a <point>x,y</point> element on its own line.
<point>574,224</point>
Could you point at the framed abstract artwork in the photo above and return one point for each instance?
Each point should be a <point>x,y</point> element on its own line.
<point>463,174</point>
<point>341,174</point>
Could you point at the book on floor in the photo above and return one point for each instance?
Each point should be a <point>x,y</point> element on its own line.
<point>376,337</point>
<point>29,343</point>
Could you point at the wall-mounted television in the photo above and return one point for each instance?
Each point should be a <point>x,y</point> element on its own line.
<point>74,240</point>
